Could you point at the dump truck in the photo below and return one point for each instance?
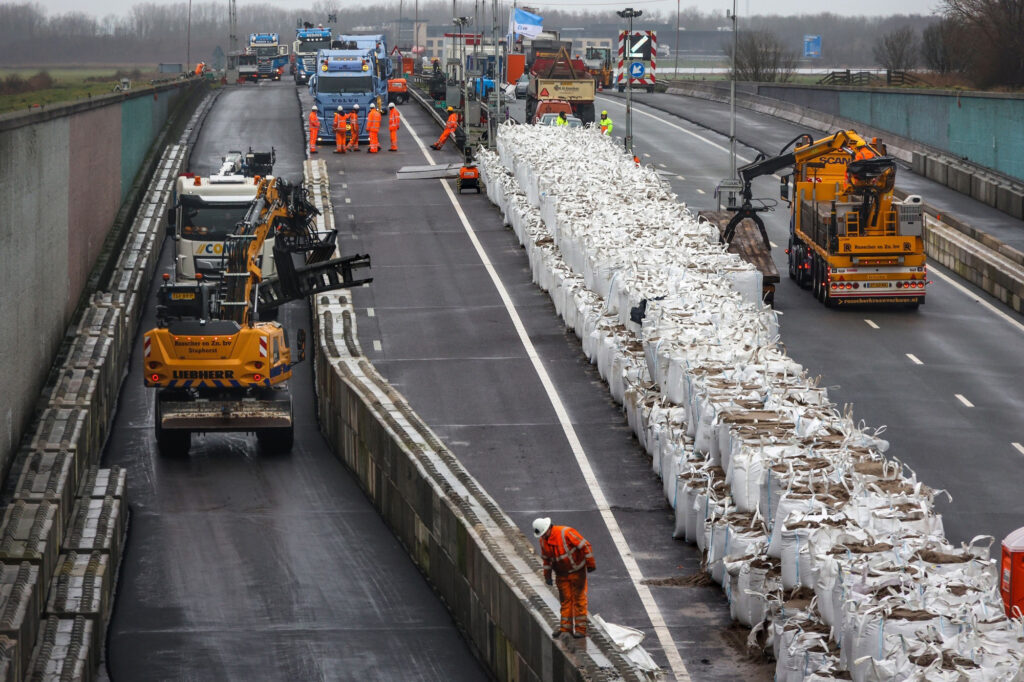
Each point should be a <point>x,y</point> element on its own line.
<point>561,78</point>
<point>850,241</point>
<point>215,364</point>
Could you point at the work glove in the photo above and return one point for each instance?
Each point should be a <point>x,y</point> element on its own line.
<point>591,569</point>
<point>549,581</point>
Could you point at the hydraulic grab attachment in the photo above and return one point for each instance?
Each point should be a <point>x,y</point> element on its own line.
<point>215,365</point>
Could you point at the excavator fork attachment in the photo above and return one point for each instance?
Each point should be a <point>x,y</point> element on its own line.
<point>292,283</point>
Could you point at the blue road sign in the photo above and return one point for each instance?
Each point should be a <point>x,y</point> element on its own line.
<point>636,70</point>
<point>812,47</point>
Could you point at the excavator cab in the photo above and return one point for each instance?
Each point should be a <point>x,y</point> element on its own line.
<point>877,174</point>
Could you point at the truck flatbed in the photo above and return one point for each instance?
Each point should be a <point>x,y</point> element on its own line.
<point>748,245</point>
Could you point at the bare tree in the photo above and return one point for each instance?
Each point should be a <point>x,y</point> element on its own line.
<point>942,46</point>
<point>897,50</point>
<point>761,58</point>
<point>993,38</point>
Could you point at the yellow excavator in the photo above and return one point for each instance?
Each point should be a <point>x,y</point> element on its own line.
<point>850,241</point>
<point>215,365</point>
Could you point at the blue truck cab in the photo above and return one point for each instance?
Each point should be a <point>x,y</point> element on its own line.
<point>308,42</point>
<point>345,78</point>
<point>271,56</point>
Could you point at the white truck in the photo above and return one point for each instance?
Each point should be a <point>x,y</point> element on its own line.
<point>206,210</point>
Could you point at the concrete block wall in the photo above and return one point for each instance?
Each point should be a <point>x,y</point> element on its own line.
<point>66,171</point>
<point>484,569</point>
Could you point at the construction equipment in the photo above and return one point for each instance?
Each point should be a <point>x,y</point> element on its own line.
<point>216,366</point>
<point>469,174</point>
<point>561,78</point>
<point>849,240</point>
<point>598,62</point>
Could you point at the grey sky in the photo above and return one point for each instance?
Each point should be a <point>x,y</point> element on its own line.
<point>744,7</point>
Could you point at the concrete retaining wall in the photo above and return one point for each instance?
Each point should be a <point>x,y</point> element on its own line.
<point>479,563</point>
<point>66,171</point>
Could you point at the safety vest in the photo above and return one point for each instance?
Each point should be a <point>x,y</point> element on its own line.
<point>606,126</point>
<point>565,551</point>
<point>453,121</point>
<point>314,122</point>
<point>373,121</point>
<point>353,121</point>
<point>561,121</point>
<point>393,119</point>
<point>863,153</point>
<point>340,121</point>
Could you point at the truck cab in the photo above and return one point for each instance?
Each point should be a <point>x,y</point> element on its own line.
<point>345,78</point>
<point>308,42</point>
<point>271,56</point>
<point>205,212</point>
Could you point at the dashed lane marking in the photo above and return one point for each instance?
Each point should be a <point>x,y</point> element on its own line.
<point>680,177</point>
<point>700,191</point>
<point>662,165</point>
<point>985,304</point>
<point>675,661</point>
<point>351,216</point>
<point>914,359</point>
<point>376,344</point>
<point>774,245</point>
<point>1018,447</point>
<point>871,324</point>
<point>348,200</point>
<point>370,313</point>
<point>646,155</point>
<point>965,401</point>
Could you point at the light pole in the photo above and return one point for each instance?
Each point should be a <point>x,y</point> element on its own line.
<point>629,13</point>
<point>732,98</point>
<point>188,39</point>
<point>675,71</point>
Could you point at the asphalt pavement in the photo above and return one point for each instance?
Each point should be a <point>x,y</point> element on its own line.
<point>247,566</point>
<point>435,326</point>
<point>944,380</point>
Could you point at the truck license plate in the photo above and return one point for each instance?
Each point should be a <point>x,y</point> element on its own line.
<point>183,295</point>
<point>876,284</point>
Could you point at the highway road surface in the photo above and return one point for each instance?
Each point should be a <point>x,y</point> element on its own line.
<point>244,566</point>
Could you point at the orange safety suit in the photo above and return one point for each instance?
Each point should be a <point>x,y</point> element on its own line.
<point>569,555</point>
<point>340,130</point>
<point>314,130</point>
<point>393,119</point>
<point>353,122</point>
<point>373,128</point>
<point>863,153</point>
<point>449,129</point>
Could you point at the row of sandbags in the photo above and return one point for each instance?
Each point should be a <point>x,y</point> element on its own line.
<point>831,552</point>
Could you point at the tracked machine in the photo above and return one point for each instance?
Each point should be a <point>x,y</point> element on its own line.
<point>850,241</point>
<point>216,366</point>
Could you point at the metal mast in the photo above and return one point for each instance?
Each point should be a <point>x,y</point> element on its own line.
<point>232,27</point>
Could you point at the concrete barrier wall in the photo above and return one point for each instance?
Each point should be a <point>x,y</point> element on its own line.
<point>65,171</point>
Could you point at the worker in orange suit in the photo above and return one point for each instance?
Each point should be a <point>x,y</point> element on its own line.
<point>353,121</point>
<point>314,129</point>
<point>864,152</point>
<point>373,128</point>
<point>340,124</point>
<point>569,556</point>
<point>393,123</point>
<point>449,129</point>
<point>199,68</point>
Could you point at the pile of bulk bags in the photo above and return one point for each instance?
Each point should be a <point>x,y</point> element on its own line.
<point>830,551</point>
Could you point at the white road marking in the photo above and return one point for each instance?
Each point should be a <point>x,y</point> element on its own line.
<point>965,401</point>
<point>680,177</point>
<point>646,155</point>
<point>341,172</point>
<point>376,344</point>
<point>675,661</point>
<point>348,200</point>
<point>1018,447</point>
<point>679,128</point>
<point>351,216</point>
<point>914,359</point>
<point>871,324</point>
<point>774,245</point>
<point>662,165</point>
<point>700,191</point>
<point>344,185</point>
<point>964,290</point>
<point>370,312</point>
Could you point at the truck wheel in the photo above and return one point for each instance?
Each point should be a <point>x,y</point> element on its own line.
<point>586,113</point>
<point>815,279</point>
<point>791,260</point>
<point>622,88</point>
<point>650,89</point>
<point>277,441</point>
<point>170,442</point>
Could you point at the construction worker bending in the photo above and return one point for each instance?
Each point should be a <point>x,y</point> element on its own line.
<point>864,152</point>
<point>353,122</point>
<point>373,128</point>
<point>605,123</point>
<point>561,121</point>
<point>340,130</point>
<point>449,129</point>
<point>314,129</point>
<point>569,556</point>
<point>393,122</point>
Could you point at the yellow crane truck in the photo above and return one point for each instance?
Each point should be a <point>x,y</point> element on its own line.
<point>215,365</point>
<point>850,241</point>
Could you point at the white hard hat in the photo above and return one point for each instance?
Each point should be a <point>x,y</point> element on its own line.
<point>355,106</point>
<point>314,108</point>
<point>341,108</point>
<point>391,105</point>
<point>372,105</point>
<point>541,526</point>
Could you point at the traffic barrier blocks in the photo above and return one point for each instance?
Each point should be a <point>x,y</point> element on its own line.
<point>1010,201</point>
<point>20,609</point>
<point>936,169</point>
<point>67,650</point>
<point>81,388</point>
<point>96,353</point>
<point>129,284</point>
<point>100,483</point>
<point>50,477</point>
<point>97,525</point>
<point>29,533</point>
<point>105,321</point>
<point>82,587</point>
<point>65,429</point>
